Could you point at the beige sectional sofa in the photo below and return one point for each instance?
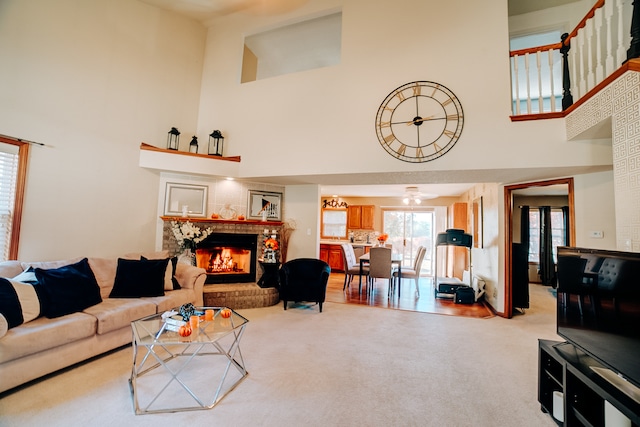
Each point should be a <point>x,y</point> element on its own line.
<point>45,345</point>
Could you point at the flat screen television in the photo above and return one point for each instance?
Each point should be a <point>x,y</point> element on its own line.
<point>598,301</point>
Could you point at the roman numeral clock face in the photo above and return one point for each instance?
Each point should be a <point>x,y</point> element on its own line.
<point>419,121</point>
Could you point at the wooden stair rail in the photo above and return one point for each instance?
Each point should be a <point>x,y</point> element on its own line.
<point>594,34</point>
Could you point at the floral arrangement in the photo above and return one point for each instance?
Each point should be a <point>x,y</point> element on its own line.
<point>287,228</point>
<point>188,235</point>
<point>383,238</point>
<point>270,247</point>
<point>271,244</point>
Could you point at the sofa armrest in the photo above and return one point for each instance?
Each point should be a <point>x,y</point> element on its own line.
<point>190,277</point>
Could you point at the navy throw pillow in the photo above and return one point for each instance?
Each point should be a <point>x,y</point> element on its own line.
<point>69,289</point>
<point>171,272</point>
<point>139,278</point>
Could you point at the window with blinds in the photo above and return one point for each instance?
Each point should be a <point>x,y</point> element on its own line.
<point>14,153</point>
<point>8,179</point>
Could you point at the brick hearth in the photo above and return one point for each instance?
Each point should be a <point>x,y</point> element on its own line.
<point>232,295</point>
<point>239,295</point>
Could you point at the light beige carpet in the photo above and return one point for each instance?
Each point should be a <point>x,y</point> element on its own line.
<point>347,366</point>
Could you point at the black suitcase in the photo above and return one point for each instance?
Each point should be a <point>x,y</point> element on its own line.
<point>465,295</point>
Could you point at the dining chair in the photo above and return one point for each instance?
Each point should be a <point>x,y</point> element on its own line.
<point>380,267</point>
<point>351,265</point>
<point>413,272</point>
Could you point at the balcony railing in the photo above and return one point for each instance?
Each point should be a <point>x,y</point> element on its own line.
<point>547,79</point>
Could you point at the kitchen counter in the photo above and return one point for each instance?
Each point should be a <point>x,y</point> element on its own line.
<point>331,252</point>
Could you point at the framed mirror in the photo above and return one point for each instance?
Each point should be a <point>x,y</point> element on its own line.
<point>194,197</point>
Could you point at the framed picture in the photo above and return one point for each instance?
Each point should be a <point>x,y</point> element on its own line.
<point>265,201</point>
<point>185,198</point>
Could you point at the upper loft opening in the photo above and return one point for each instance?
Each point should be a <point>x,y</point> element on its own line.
<point>302,46</point>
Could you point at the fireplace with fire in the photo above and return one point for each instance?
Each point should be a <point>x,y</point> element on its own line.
<point>228,258</point>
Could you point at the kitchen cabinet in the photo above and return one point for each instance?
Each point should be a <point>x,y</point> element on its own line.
<point>332,255</point>
<point>360,217</point>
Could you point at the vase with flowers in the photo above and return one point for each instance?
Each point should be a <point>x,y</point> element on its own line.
<point>382,239</point>
<point>270,247</point>
<point>188,236</point>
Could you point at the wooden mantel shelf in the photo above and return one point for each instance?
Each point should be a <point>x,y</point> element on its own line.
<point>145,146</point>
<point>221,221</point>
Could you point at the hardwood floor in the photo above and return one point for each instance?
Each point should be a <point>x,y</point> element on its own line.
<point>425,303</point>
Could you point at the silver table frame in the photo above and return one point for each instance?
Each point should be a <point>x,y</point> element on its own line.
<point>219,337</point>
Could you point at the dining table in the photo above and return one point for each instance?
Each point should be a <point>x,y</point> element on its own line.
<point>396,259</point>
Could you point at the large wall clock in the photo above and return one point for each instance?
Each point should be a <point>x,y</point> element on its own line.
<point>419,121</point>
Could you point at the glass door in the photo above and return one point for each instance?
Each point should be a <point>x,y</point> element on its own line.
<point>408,230</point>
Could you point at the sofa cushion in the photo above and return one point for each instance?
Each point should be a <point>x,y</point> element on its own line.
<point>139,278</point>
<point>105,271</point>
<point>68,289</point>
<point>43,334</point>
<point>170,281</point>
<point>148,255</point>
<point>173,299</point>
<point>10,268</point>
<point>116,313</point>
<point>47,265</point>
<point>27,276</point>
<point>19,303</point>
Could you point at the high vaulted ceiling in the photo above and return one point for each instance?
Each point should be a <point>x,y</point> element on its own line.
<point>204,10</point>
<point>442,183</point>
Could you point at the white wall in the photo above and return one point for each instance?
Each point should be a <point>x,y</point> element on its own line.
<point>221,192</point>
<point>564,18</point>
<point>92,80</point>
<point>322,120</point>
<point>595,210</point>
<point>301,205</point>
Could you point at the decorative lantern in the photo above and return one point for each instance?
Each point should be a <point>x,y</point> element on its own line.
<point>216,143</point>
<point>193,145</point>
<point>173,139</point>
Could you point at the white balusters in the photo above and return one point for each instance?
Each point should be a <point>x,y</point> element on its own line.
<point>539,67</point>
<point>573,71</point>
<point>621,52</point>
<point>608,14</point>
<point>588,31</point>
<point>583,75</point>
<point>597,50</point>
<point>599,65</point>
<point>526,68</point>
<point>516,76</point>
<point>551,79</point>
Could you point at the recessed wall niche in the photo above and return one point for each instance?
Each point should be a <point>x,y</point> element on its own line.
<point>314,43</point>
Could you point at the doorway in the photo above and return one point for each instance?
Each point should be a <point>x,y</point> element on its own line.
<point>408,230</point>
<point>540,187</point>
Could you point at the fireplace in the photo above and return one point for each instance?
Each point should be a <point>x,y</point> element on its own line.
<point>228,258</point>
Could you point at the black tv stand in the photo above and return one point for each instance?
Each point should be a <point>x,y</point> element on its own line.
<point>565,368</point>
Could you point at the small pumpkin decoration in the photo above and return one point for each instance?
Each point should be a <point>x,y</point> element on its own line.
<point>240,217</point>
<point>184,330</point>
<point>225,313</point>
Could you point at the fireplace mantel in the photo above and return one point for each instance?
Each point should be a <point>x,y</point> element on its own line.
<point>222,221</point>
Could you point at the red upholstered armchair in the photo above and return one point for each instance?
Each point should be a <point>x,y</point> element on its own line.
<point>304,279</point>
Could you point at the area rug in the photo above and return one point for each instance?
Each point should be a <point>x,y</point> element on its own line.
<point>346,366</point>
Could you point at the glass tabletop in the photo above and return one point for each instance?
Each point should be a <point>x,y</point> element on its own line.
<point>152,330</point>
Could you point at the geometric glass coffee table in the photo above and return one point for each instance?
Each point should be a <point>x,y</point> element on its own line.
<point>171,373</point>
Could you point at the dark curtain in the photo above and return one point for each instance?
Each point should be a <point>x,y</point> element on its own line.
<point>524,226</point>
<point>565,217</point>
<point>520,264</point>
<point>547,267</point>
